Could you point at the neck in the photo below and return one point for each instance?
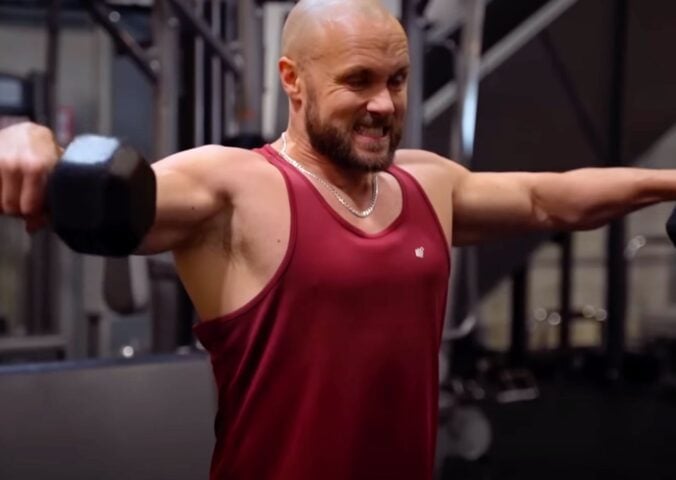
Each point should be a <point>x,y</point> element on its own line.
<point>354,183</point>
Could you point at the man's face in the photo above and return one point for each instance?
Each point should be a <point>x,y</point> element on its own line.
<point>355,100</point>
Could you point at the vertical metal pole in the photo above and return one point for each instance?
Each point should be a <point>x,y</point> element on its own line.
<point>463,130</point>
<point>251,40</point>
<point>40,301</point>
<point>519,329</point>
<point>199,135</point>
<point>276,103</point>
<point>50,319</point>
<point>215,102</point>
<point>413,135</point>
<point>467,67</point>
<point>165,34</point>
<point>565,294</point>
<point>616,279</point>
<point>166,40</point>
<point>230,97</point>
<point>53,17</point>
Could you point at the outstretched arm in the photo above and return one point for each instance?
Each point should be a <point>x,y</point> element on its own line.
<point>490,204</point>
<point>193,186</point>
<point>191,190</point>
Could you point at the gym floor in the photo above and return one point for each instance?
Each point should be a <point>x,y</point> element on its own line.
<point>582,431</point>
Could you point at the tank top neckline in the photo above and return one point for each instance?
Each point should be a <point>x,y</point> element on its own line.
<point>392,226</point>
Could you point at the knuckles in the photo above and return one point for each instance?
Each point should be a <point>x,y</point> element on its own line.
<point>27,149</point>
<point>28,152</point>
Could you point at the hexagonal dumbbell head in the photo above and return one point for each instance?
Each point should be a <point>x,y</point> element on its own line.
<point>671,227</point>
<point>101,197</point>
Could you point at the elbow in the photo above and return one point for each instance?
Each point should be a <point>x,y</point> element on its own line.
<point>566,216</point>
<point>577,219</point>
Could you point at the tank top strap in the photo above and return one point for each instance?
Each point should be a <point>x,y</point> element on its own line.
<point>296,182</point>
<point>419,204</point>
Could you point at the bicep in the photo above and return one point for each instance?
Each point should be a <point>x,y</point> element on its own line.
<point>487,204</point>
<point>481,205</point>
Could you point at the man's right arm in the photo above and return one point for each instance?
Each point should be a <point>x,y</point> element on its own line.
<point>192,186</point>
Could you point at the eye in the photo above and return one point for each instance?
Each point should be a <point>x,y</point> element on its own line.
<point>398,80</point>
<point>359,80</point>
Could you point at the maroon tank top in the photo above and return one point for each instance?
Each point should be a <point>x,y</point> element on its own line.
<point>330,373</point>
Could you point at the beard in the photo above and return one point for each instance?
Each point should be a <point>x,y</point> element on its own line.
<point>336,144</point>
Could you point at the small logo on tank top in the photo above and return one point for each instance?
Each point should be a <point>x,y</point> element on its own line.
<point>420,252</point>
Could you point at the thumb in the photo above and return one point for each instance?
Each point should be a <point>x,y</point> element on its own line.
<point>35,223</point>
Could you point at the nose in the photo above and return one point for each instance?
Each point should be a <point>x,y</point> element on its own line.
<point>381,103</point>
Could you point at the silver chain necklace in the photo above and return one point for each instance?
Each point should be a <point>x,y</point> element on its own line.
<point>359,213</point>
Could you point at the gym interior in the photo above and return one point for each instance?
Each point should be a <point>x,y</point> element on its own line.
<point>558,356</point>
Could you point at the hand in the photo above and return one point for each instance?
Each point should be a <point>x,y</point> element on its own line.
<point>28,153</point>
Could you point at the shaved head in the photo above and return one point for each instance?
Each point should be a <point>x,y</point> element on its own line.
<point>344,67</point>
<point>305,31</point>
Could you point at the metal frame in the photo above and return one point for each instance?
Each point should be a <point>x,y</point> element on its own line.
<point>42,303</point>
<point>216,101</point>
<point>616,264</point>
<point>199,103</point>
<point>275,108</point>
<point>162,66</point>
<point>414,25</point>
<point>446,96</point>
<point>108,19</point>
<point>565,242</point>
<point>250,23</point>
<point>200,28</point>
<point>468,67</point>
<point>519,327</point>
<point>462,137</point>
<point>45,310</point>
<point>165,35</point>
<point>230,80</point>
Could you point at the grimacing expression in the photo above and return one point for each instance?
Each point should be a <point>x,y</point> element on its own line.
<point>356,100</point>
<point>336,143</point>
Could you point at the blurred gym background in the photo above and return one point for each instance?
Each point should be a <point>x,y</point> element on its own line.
<point>559,356</point>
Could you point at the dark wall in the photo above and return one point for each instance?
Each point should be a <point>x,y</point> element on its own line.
<point>650,106</point>
<point>529,115</point>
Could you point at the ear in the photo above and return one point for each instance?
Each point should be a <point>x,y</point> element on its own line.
<point>288,74</point>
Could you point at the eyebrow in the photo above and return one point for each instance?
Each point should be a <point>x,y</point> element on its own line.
<point>361,70</point>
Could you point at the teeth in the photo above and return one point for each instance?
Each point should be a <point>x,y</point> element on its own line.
<point>372,131</point>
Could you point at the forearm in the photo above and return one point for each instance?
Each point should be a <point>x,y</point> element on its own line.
<point>590,197</point>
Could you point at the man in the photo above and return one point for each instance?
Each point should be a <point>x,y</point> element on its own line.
<point>320,262</point>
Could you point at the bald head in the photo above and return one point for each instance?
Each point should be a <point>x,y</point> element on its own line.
<point>344,67</point>
<point>308,26</point>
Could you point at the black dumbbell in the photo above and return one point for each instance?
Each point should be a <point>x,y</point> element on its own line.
<point>671,227</point>
<point>101,197</point>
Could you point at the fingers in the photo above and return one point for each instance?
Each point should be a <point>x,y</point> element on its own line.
<point>11,188</point>
<point>31,201</point>
<point>33,224</point>
<point>21,193</point>
<point>28,152</point>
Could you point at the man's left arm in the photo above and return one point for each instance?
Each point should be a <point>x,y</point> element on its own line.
<point>487,205</point>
